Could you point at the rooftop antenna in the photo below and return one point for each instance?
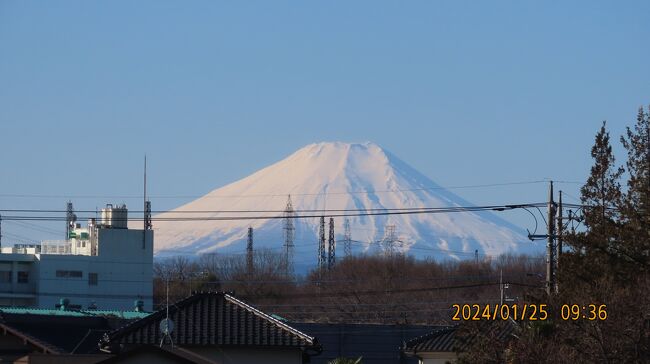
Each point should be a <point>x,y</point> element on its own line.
<point>289,230</point>
<point>167,325</point>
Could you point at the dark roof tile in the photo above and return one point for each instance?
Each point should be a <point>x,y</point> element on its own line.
<point>212,318</point>
<point>445,340</point>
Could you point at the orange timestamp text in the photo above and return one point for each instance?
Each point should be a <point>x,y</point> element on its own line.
<point>526,311</point>
<point>476,312</point>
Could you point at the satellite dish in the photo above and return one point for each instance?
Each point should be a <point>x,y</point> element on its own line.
<point>166,326</point>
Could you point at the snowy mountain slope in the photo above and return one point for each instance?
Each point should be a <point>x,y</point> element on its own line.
<point>337,176</point>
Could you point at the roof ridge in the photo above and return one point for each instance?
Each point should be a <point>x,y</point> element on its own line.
<point>270,318</point>
<point>33,340</point>
<point>297,337</point>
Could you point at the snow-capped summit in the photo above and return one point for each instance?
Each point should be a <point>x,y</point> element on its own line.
<point>336,175</point>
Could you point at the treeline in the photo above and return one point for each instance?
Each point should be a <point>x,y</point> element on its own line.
<point>367,288</point>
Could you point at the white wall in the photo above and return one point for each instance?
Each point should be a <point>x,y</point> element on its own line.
<point>123,266</point>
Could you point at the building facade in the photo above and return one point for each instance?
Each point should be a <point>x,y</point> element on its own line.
<point>102,266</point>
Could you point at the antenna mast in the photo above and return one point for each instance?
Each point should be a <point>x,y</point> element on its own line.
<point>167,325</point>
<point>147,204</point>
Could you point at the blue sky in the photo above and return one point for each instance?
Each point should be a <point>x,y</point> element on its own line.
<point>466,92</point>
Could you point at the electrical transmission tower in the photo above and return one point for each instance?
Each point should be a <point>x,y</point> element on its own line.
<point>389,240</point>
<point>289,231</point>
<point>331,245</point>
<point>322,258</point>
<point>70,220</point>
<point>347,238</point>
<point>249,251</point>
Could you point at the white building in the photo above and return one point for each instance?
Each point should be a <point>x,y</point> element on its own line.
<point>103,266</point>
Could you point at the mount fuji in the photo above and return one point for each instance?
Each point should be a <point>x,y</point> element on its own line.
<point>336,176</point>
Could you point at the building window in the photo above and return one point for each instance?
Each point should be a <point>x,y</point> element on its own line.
<point>23,277</point>
<point>5,276</point>
<point>69,274</point>
<point>92,279</point>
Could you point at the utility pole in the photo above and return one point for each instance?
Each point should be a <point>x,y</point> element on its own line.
<point>550,275</point>
<point>558,244</point>
<point>476,255</point>
<point>331,246</point>
<point>249,251</point>
<point>501,285</point>
<point>0,231</point>
<point>347,238</point>
<point>321,245</point>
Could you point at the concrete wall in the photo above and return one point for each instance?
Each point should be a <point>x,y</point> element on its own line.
<point>13,292</point>
<point>124,269</point>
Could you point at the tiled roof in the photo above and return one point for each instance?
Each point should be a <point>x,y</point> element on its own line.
<point>212,318</point>
<point>38,343</point>
<point>375,343</point>
<point>57,334</point>
<point>59,331</point>
<point>445,340</point>
<point>434,341</point>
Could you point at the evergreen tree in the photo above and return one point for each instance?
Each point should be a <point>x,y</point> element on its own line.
<point>637,143</point>
<point>596,250</point>
<point>636,206</point>
<point>601,194</point>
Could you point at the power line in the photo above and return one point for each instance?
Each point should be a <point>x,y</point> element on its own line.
<point>345,213</point>
<point>420,208</point>
<point>392,291</point>
<point>487,185</point>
